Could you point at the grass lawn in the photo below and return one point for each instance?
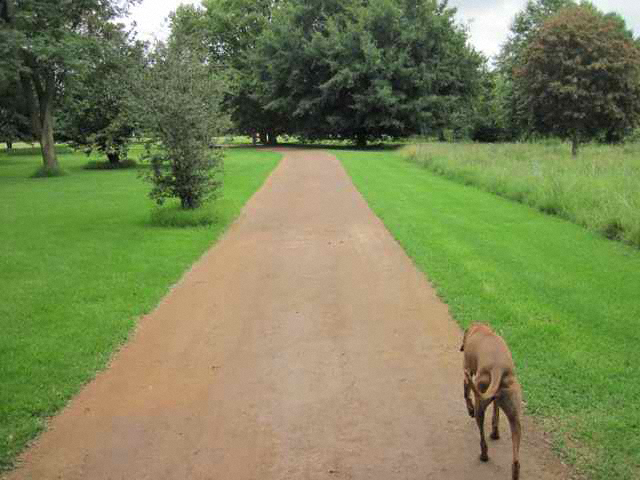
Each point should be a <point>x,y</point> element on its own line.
<point>80,263</point>
<point>567,301</point>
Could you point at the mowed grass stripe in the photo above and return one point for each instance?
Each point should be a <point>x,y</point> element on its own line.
<point>567,300</point>
<point>80,263</point>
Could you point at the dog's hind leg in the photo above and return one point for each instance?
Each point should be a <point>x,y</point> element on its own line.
<point>516,434</point>
<point>495,432</point>
<point>484,455</point>
<point>467,397</point>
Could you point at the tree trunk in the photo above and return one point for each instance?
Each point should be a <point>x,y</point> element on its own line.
<point>47,144</point>
<point>263,137</point>
<point>272,139</point>
<point>9,145</point>
<point>574,145</point>
<point>361,140</point>
<point>41,115</point>
<point>113,157</point>
<point>254,138</point>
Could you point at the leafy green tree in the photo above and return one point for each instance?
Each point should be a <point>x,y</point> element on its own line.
<point>365,70</point>
<point>581,75</point>
<point>510,104</point>
<point>229,31</point>
<point>45,42</point>
<point>181,114</point>
<point>14,122</point>
<point>96,110</point>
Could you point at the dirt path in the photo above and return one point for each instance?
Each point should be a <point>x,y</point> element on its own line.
<point>304,345</point>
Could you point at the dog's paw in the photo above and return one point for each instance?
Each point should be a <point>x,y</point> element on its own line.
<point>484,457</point>
<point>495,435</point>
<point>472,412</point>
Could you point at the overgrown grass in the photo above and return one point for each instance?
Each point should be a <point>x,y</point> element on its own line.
<point>567,300</point>
<point>80,263</point>
<point>173,215</point>
<point>598,190</point>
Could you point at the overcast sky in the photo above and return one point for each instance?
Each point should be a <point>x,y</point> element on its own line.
<point>488,20</point>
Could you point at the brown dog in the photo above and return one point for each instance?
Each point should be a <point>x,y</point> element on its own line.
<point>487,357</point>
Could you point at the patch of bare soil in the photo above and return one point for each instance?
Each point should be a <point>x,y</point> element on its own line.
<point>304,345</point>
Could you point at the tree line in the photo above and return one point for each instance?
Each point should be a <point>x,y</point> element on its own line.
<point>356,70</point>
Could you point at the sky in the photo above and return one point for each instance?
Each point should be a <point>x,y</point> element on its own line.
<point>488,20</point>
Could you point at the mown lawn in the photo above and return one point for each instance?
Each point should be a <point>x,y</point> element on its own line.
<point>567,301</point>
<point>80,263</point>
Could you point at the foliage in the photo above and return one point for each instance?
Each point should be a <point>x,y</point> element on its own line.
<point>565,300</point>
<point>97,275</point>
<point>46,42</point>
<point>97,109</point>
<point>357,70</point>
<point>510,102</point>
<point>365,70</point>
<point>108,165</point>
<point>581,76</point>
<point>229,30</point>
<point>14,122</point>
<point>180,111</point>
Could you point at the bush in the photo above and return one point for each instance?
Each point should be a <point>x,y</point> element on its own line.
<point>105,165</point>
<point>180,108</point>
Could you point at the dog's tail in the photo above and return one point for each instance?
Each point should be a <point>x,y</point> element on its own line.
<point>490,394</point>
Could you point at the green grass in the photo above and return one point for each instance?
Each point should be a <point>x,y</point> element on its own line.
<point>599,189</point>
<point>80,263</point>
<point>566,299</point>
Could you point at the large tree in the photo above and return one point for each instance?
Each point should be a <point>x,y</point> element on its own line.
<point>229,31</point>
<point>45,42</point>
<point>96,111</point>
<point>365,70</point>
<point>510,103</point>
<point>581,75</point>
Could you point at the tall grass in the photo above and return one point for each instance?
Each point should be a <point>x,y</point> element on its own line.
<point>599,190</point>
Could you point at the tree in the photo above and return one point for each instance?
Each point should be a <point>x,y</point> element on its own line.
<point>229,30</point>
<point>45,42</point>
<point>511,104</point>
<point>365,70</point>
<point>180,112</point>
<point>14,122</point>
<point>96,110</point>
<point>581,75</point>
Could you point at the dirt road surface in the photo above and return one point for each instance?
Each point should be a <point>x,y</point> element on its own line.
<point>304,345</point>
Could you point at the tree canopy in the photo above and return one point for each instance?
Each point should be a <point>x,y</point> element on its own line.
<point>581,75</point>
<point>46,42</point>
<point>351,69</point>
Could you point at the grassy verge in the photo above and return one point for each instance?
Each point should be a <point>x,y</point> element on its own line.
<point>598,190</point>
<point>80,263</point>
<point>566,299</point>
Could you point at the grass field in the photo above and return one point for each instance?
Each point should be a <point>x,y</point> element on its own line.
<point>567,300</point>
<point>80,263</point>
<point>598,190</point>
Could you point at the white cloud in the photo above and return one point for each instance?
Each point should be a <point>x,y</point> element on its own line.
<point>151,17</point>
<point>489,20</point>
